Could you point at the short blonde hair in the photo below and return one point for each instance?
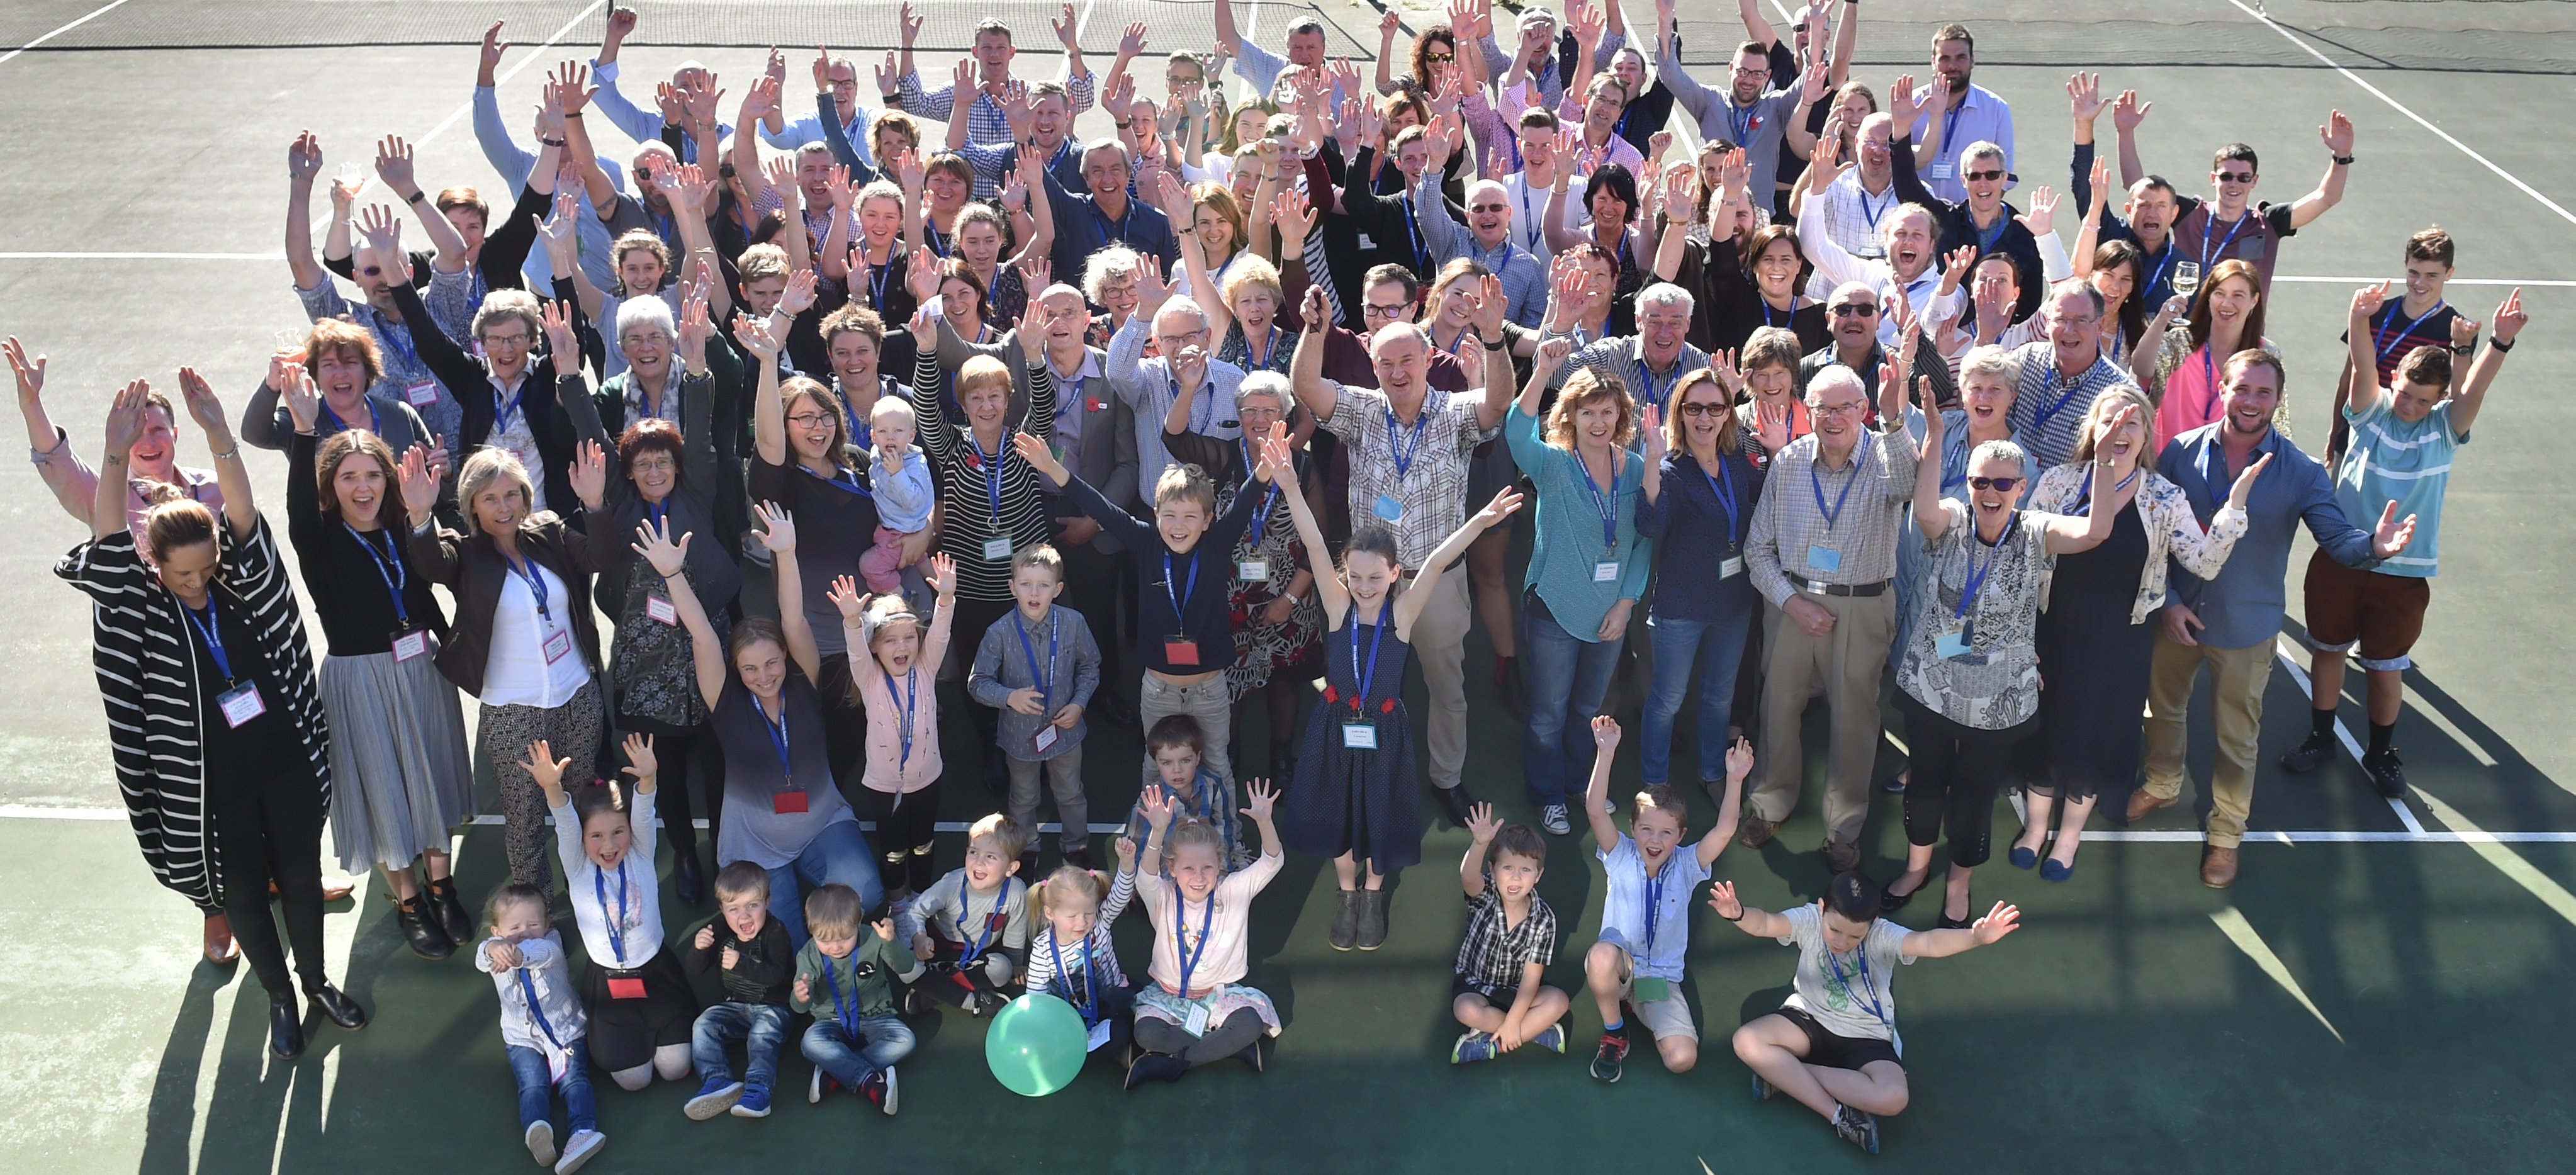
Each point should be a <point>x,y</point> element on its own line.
<point>1250,269</point>
<point>2097,421</point>
<point>763,260</point>
<point>1006,834</point>
<point>488,465</point>
<point>1581,389</point>
<point>1042,557</point>
<point>981,372</point>
<point>1986,360</point>
<point>1185,483</point>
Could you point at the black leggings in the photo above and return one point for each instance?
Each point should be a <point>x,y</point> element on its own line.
<point>269,830</point>
<point>671,792</point>
<point>1239,1032</point>
<point>904,834</point>
<point>1956,770</point>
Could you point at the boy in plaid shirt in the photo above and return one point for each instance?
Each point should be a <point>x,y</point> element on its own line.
<point>1511,936</point>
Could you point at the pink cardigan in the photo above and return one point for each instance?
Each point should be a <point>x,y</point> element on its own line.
<point>887,769</point>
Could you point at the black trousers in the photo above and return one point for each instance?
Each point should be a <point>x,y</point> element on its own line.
<point>1956,770</point>
<point>1091,587</point>
<point>904,835</point>
<point>269,830</point>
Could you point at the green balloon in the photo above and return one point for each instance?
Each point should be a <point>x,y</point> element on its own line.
<point>1036,1045</point>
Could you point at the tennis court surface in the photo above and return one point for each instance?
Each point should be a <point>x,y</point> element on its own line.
<point>2381,991</point>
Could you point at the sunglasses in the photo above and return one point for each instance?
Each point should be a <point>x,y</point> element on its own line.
<point>2001,485</point>
<point>2235,177</point>
<point>1983,175</point>
<point>1488,207</point>
<point>1848,310</point>
<point>1440,58</point>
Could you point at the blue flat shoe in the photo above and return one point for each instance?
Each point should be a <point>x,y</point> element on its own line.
<point>2050,870</point>
<point>2022,858</point>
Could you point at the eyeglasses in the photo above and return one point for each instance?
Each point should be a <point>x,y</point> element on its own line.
<point>1392,313</point>
<point>1488,207</point>
<point>2234,177</point>
<point>1762,72</point>
<point>2001,485</point>
<point>1983,175</point>
<point>1703,408</point>
<point>1854,310</point>
<point>500,340</point>
<point>1177,80</point>
<point>640,338</point>
<point>1845,409</point>
<point>809,419</point>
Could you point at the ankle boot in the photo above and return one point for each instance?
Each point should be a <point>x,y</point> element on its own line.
<point>337,1007</point>
<point>1372,928</point>
<point>1346,920</point>
<point>450,911</point>
<point>285,1027</point>
<point>421,927</point>
<point>688,880</point>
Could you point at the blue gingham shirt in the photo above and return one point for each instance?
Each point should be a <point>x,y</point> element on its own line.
<point>985,122</point>
<point>2039,388</point>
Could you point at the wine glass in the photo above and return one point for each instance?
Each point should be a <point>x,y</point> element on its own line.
<point>2186,278</point>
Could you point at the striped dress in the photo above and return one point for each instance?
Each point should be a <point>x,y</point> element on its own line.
<point>964,490</point>
<point>147,676</point>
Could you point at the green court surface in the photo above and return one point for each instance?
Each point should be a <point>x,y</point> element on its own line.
<point>2380,992</point>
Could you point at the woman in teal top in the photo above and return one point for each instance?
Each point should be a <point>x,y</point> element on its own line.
<point>1589,564</point>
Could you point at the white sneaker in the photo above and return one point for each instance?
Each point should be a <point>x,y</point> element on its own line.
<point>584,1144</point>
<point>888,1107</point>
<point>1553,818</point>
<point>541,1143</point>
<point>814,1088</point>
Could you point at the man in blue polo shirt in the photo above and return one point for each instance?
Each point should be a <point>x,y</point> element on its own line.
<point>2228,623</point>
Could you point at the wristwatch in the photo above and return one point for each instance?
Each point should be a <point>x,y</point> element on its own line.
<point>1493,344</point>
<point>2464,348</point>
<point>2501,345</point>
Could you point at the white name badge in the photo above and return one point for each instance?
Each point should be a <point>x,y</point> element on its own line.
<point>1824,558</point>
<point>1942,171</point>
<point>558,645</point>
<point>408,645</point>
<point>997,549</point>
<point>1606,571</point>
<point>1046,736</point>
<point>421,394</point>
<point>1951,644</point>
<point>558,1065</point>
<point>1731,567</point>
<point>1253,571</point>
<point>1197,1022</point>
<point>661,610</point>
<point>1099,1036</point>
<point>1389,508</point>
<point>1359,736</point>
<point>241,705</point>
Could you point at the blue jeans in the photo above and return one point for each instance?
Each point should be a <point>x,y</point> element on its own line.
<point>1711,649</point>
<point>759,1026</point>
<point>536,1085</point>
<point>1566,679</point>
<point>883,1040</point>
<point>838,855</point>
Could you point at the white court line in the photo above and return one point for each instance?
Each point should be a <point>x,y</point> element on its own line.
<point>2457,281</point>
<point>52,256</point>
<point>65,29</point>
<point>2283,649</point>
<point>2399,107</point>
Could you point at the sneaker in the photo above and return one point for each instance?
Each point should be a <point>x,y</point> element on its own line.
<point>1149,1067</point>
<point>1552,817</point>
<point>1472,1046</point>
<point>1857,1128</point>
<point>2314,749</point>
<point>584,1144</point>
<point>1345,932</point>
<point>985,1003</point>
<point>912,1002</point>
<point>754,1103</point>
<point>820,1085</point>
<point>1551,1038</point>
<point>879,1089</point>
<point>541,1143</point>
<point>1611,1058</point>
<point>1896,783</point>
<point>1762,1090</point>
<point>1251,1055</point>
<point>2386,773</point>
<point>715,1096</point>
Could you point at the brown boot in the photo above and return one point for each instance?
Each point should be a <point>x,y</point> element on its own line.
<point>1757,831</point>
<point>220,947</point>
<point>2141,803</point>
<point>1842,856</point>
<point>2218,867</point>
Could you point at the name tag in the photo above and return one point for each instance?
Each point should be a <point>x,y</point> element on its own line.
<point>1253,571</point>
<point>408,645</point>
<point>1606,571</point>
<point>422,394</point>
<point>1649,989</point>
<point>558,1065</point>
<point>788,803</point>
<point>1180,652</point>
<point>241,705</point>
<point>557,646</point>
<point>661,610</point>
<point>1953,643</point>
<point>1389,508</point>
<point>1359,736</point>
<point>1944,170</point>
<point>1099,1036</point>
<point>1730,567</point>
<point>1196,1023</point>
<point>1824,558</point>
<point>997,549</point>
<point>625,989</point>
<point>1046,737</point>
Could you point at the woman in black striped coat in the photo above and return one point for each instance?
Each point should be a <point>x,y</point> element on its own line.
<point>214,720</point>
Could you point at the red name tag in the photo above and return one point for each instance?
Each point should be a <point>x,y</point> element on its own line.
<point>625,989</point>
<point>787,803</point>
<point>1181,652</point>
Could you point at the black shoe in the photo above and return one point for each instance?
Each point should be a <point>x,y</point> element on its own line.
<point>1345,931</point>
<point>1156,1067</point>
<point>1515,692</point>
<point>1029,863</point>
<point>1251,1055</point>
<point>2386,773</point>
<point>688,878</point>
<point>1372,921</point>
<point>1890,901</point>
<point>285,1028</point>
<point>2311,751</point>
<point>452,917</point>
<point>1113,710</point>
<point>421,928</point>
<point>337,1007</point>
<point>1456,801</point>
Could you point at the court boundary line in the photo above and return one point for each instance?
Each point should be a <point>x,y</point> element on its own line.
<point>111,6</point>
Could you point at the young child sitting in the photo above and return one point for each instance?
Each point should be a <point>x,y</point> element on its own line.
<point>641,1010</point>
<point>972,926</point>
<point>542,1026</point>
<point>1177,746</point>
<point>1834,1046</point>
<point>894,666</point>
<point>1198,1009</point>
<point>1645,908</point>
<point>1073,957</point>
<point>845,976</point>
<point>1038,666</point>
<point>750,954</point>
<point>900,476</point>
<point>1511,937</point>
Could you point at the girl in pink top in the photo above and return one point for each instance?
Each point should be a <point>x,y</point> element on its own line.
<point>2225,317</point>
<point>1198,1009</point>
<point>895,668</point>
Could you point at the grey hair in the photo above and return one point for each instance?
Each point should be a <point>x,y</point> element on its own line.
<point>645,311</point>
<point>1306,24</point>
<point>1664,294</point>
<point>2000,450</point>
<point>1183,304</point>
<point>1982,149</point>
<point>1112,262</point>
<point>1836,375</point>
<point>1986,360</point>
<point>1097,146</point>
<point>1264,383</point>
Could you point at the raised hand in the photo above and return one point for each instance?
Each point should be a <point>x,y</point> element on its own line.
<point>205,408</point>
<point>2243,490</point>
<point>777,527</point>
<point>640,762</point>
<point>2367,300</point>
<point>2391,536</point>
<point>589,473</point>
<point>568,87</point>
<point>1035,452</point>
<point>2127,112</point>
<point>653,542</point>
<point>1739,759</point>
<point>1721,898</point>
<point>1264,798</point>
<point>547,770</point>
<point>31,374</point>
<point>1125,847</point>
<point>1158,806</point>
<point>303,400</point>
<point>304,157</point>
<point>2336,133</point>
<point>1902,105</point>
<point>2509,319</point>
<point>1605,733</point>
<point>943,575</point>
<point>1998,922</point>
<point>756,337</point>
<point>1482,824</point>
<point>2084,98</point>
<point>1771,424</point>
<point>924,326</point>
<point>393,163</point>
<point>419,484</point>
<point>2041,220</point>
<point>1651,427</point>
<point>846,596</point>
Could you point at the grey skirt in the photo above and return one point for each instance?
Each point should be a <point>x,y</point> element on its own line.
<point>399,768</point>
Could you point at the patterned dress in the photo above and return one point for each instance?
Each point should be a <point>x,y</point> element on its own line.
<point>1350,799</point>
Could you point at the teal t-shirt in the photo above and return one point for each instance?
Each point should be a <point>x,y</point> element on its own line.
<point>2410,464</point>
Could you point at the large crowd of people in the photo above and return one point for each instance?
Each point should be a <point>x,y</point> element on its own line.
<point>849,424</point>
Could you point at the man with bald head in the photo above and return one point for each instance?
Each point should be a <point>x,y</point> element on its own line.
<point>1408,449</point>
<point>1486,238</point>
<point>1850,210</point>
<point>1186,361</point>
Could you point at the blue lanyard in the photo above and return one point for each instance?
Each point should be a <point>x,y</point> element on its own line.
<point>1090,985</point>
<point>1646,375</point>
<point>2045,413</point>
<point>502,409</point>
<point>2209,224</point>
<point>1188,959</point>
<point>904,720</point>
<point>617,929</point>
<point>475,288</point>
<point>536,1010</point>
<point>2084,499</point>
<point>1041,674</point>
<point>1986,240</point>
<point>1950,126</point>
<point>375,422</point>
<point>1269,346</point>
<point>1722,485</point>
<point>527,570</point>
<point>937,240</point>
<point>1403,449</point>
<point>992,923</point>
<point>2147,292</point>
<point>2379,338</point>
<point>1816,482</point>
<point>391,569</point>
<point>1181,598</point>
<point>778,738</point>
<point>1377,635</point>
<point>396,337</point>
<point>1874,213</point>
<point>1977,575</point>
<point>657,512</point>
<point>1534,219</point>
<point>1654,907</point>
<point>1954,461</point>
<point>991,463</point>
<point>1420,256</point>
<point>211,628</point>
<point>1743,119</point>
<point>1604,502</point>
<point>1876,1008</point>
<point>846,480</point>
<point>1119,236</point>
<point>844,1009</point>
<point>877,280</point>
<point>1261,517</point>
